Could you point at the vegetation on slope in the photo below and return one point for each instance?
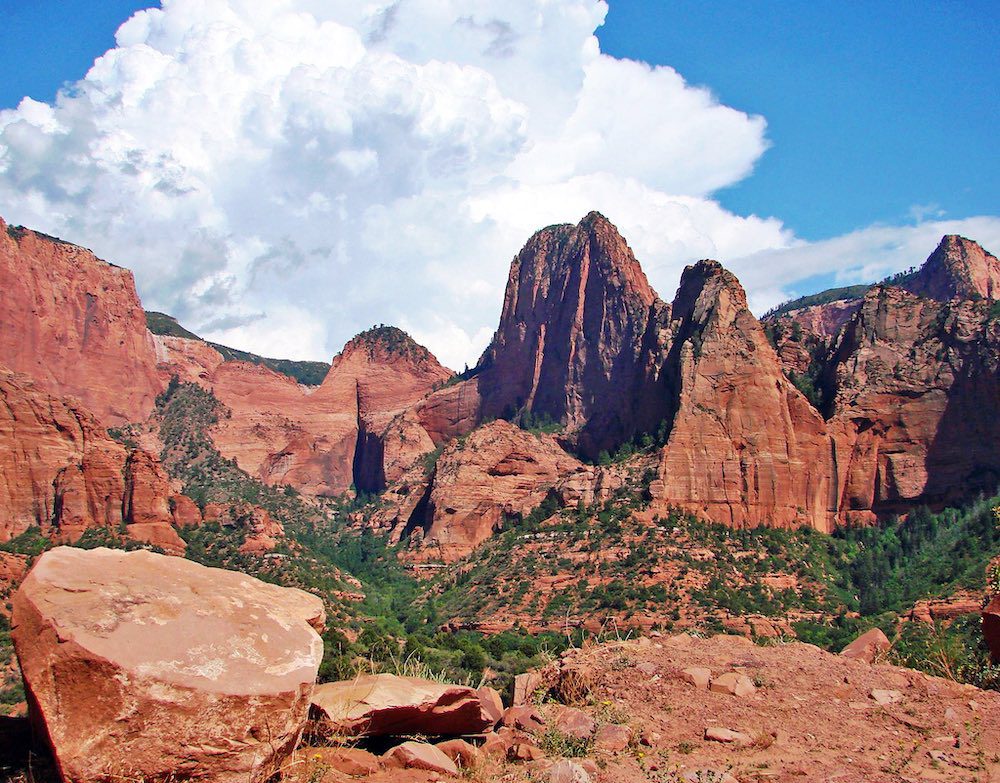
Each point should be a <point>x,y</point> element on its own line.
<point>557,575</point>
<point>389,628</point>
<point>845,293</point>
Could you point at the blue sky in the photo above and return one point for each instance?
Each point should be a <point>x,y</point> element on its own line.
<point>281,174</point>
<point>873,108</point>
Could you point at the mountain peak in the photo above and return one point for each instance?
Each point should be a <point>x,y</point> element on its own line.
<point>575,314</point>
<point>384,342</point>
<point>703,285</point>
<point>959,267</point>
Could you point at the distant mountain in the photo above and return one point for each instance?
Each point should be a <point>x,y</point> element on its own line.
<point>305,372</point>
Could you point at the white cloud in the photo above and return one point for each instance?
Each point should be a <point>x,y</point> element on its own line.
<point>862,256</point>
<point>281,174</point>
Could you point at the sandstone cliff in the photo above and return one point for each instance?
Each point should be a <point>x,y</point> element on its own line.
<point>889,400</point>
<point>74,323</point>
<point>62,473</point>
<point>325,439</point>
<point>745,447</point>
<point>958,268</point>
<point>575,336</point>
<point>916,401</point>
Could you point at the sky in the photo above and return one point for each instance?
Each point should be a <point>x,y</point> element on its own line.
<point>281,174</point>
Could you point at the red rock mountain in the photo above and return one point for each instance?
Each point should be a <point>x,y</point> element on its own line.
<point>958,268</point>
<point>903,409</point>
<point>909,381</point>
<point>915,401</point>
<point>320,440</point>
<point>578,322</point>
<point>911,385</point>
<point>745,447</point>
<point>74,323</point>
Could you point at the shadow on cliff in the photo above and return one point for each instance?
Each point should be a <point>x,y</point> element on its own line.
<point>964,456</point>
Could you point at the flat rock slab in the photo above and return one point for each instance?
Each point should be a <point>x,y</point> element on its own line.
<point>698,676</point>
<point>734,684</point>
<point>387,705</point>
<point>143,665</point>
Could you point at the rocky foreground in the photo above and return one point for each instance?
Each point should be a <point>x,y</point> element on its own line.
<point>146,667</point>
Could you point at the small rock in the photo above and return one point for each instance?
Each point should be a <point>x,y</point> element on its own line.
<point>351,761</point>
<point>649,738</point>
<point>612,738</point>
<point>886,697</point>
<point>420,755</point>
<point>568,772</point>
<point>495,745</point>
<point>734,684</point>
<point>868,647</point>
<point>525,751</point>
<point>717,734</point>
<point>647,667</point>
<point>465,755</point>
<point>707,776</point>
<point>698,676</point>
<point>574,723</point>
<point>524,718</point>
<point>491,703</point>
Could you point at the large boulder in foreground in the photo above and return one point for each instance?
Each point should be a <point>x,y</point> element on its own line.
<point>384,704</point>
<point>140,665</point>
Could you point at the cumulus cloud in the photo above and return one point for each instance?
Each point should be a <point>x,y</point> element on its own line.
<point>281,174</point>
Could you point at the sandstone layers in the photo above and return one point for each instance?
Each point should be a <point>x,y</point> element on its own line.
<point>386,704</point>
<point>320,440</point>
<point>578,322</point>
<point>139,665</point>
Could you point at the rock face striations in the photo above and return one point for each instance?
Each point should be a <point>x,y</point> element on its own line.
<point>320,440</point>
<point>909,382</point>
<point>75,325</point>
<point>903,402</point>
<point>915,401</point>
<point>958,268</point>
<point>578,323</point>
<point>829,414</point>
<point>745,447</point>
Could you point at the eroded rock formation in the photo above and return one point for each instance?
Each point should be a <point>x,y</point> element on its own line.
<point>64,474</point>
<point>575,337</point>
<point>745,447</point>
<point>958,268</point>
<point>320,440</point>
